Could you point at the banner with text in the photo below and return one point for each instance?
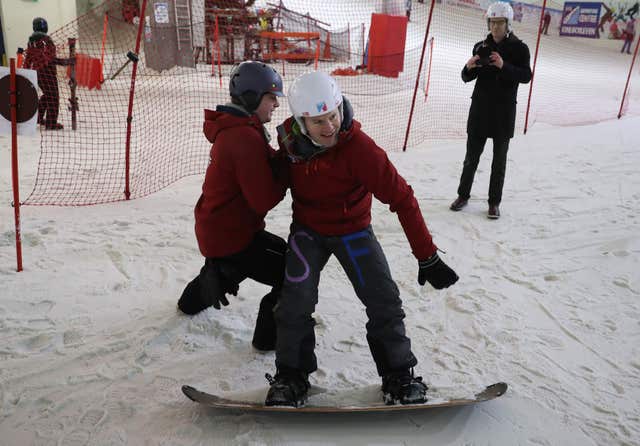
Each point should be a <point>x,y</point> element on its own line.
<point>580,19</point>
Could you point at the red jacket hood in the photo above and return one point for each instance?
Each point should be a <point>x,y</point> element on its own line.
<point>239,186</point>
<point>215,121</point>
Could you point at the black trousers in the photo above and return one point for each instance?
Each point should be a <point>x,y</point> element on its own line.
<point>49,103</point>
<point>475,147</point>
<point>263,261</point>
<point>361,257</point>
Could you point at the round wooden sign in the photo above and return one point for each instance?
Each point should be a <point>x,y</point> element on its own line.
<point>27,98</point>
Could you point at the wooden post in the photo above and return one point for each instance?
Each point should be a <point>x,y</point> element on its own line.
<point>72,83</point>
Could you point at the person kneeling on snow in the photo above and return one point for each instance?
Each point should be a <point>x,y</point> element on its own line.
<point>334,170</point>
<point>239,188</point>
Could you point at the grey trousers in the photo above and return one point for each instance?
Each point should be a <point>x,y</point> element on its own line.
<point>364,262</point>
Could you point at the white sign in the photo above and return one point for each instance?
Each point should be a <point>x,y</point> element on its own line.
<point>29,127</point>
<point>161,11</point>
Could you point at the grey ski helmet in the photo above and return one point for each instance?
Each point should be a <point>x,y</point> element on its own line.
<point>251,80</point>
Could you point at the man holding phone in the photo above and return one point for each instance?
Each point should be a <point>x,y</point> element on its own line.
<point>498,64</point>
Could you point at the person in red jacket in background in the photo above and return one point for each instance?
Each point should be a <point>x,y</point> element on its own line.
<point>628,34</point>
<point>334,170</point>
<point>41,56</point>
<point>239,189</point>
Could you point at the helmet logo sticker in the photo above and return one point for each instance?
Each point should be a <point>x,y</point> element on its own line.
<point>321,106</point>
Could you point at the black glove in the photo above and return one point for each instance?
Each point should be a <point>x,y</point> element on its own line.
<point>436,272</point>
<point>205,290</point>
<point>211,288</point>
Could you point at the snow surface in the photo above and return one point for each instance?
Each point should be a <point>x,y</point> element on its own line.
<point>94,352</point>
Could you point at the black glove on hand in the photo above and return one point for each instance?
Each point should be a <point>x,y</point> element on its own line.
<point>211,292</point>
<point>436,272</point>
<point>209,288</point>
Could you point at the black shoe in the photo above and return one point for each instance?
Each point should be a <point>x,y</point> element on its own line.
<point>458,204</point>
<point>494,212</point>
<point>264,335</point>
<point>289,388</point>
<point>404,388</point>
<point>54,126</point>
<point>203,291</point>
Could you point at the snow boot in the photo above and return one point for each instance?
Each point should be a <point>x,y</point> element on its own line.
<point>289,388</point>
<point>494,212</point>
<point>458,204</point>
<point>404,388</point>
<point>264,335</point>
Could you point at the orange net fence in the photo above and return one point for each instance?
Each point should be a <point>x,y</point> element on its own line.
<point>134,135</point>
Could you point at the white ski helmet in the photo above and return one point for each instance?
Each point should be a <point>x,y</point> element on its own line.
<point>500,10</point>
<point>313,94</point>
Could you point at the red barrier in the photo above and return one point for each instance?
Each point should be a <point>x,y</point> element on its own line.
<point>387,37</point>
<point>88,71</point>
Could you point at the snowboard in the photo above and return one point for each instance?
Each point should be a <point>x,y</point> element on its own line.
<point>368,399</point>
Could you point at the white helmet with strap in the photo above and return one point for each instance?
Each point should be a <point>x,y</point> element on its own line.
<point>313,94</point>
<point>498,10</point>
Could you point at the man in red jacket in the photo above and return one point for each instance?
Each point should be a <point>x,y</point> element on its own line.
<point>41,56</point>
<point>239,189</point>
<point>335,169</point>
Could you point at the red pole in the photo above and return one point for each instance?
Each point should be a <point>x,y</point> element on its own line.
<point>13,101</point>
<point>281,46</point>
<point>215,51</point>
<point>633,61</point>
<point>105,24</point>
<point>533,70</point>
<point>426,90</point>
<point>364,49</point>
<point>217,40</point>
<point>349,41</point>
<point>213,46</point>
<point>415,89</point>
<point>127,160</point>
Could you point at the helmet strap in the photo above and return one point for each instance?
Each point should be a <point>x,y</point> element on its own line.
<point>300,121</point>
<point>250,101</point>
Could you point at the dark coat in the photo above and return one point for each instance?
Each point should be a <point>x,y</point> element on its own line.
<point>493,103</point>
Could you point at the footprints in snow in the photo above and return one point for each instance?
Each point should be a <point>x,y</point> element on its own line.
<point>90,428</point>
